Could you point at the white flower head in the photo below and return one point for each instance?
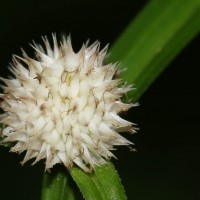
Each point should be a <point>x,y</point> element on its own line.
<point>63,106</point>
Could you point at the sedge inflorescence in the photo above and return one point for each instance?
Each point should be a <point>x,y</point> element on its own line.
<point>63,106</point>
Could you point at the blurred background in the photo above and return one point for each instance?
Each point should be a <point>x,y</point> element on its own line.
<point>167,162</point>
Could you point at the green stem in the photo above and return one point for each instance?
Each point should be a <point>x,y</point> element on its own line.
<point>55,185</point>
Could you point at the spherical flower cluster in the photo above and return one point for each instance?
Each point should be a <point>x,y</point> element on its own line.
<point>63,106</point>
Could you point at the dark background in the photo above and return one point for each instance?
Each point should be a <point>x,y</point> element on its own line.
<point>166,165</point>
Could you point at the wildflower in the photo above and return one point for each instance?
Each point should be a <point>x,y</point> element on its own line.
<point>63,106</point>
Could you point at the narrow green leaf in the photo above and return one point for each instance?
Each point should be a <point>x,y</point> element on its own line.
<point>55,186</point>
<point>103,184</point>
<point>154,38</point>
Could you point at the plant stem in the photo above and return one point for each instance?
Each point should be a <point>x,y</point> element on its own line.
<point>55,185</point>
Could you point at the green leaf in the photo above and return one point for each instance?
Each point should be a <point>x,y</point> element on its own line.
<point>56,187</point>
<point>154,38</point>
<point>103,184</point>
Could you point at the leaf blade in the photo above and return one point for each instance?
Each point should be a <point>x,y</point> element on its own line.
<point>153,39</point>
<point>103,184</point>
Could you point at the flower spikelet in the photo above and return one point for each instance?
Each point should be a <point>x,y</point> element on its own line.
<point>63,106</point>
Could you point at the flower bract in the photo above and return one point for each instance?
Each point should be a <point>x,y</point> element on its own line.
<point>64,106</point>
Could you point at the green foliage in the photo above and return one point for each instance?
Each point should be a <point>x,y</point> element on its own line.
<point>154,38</point>
<point>103,184</point>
